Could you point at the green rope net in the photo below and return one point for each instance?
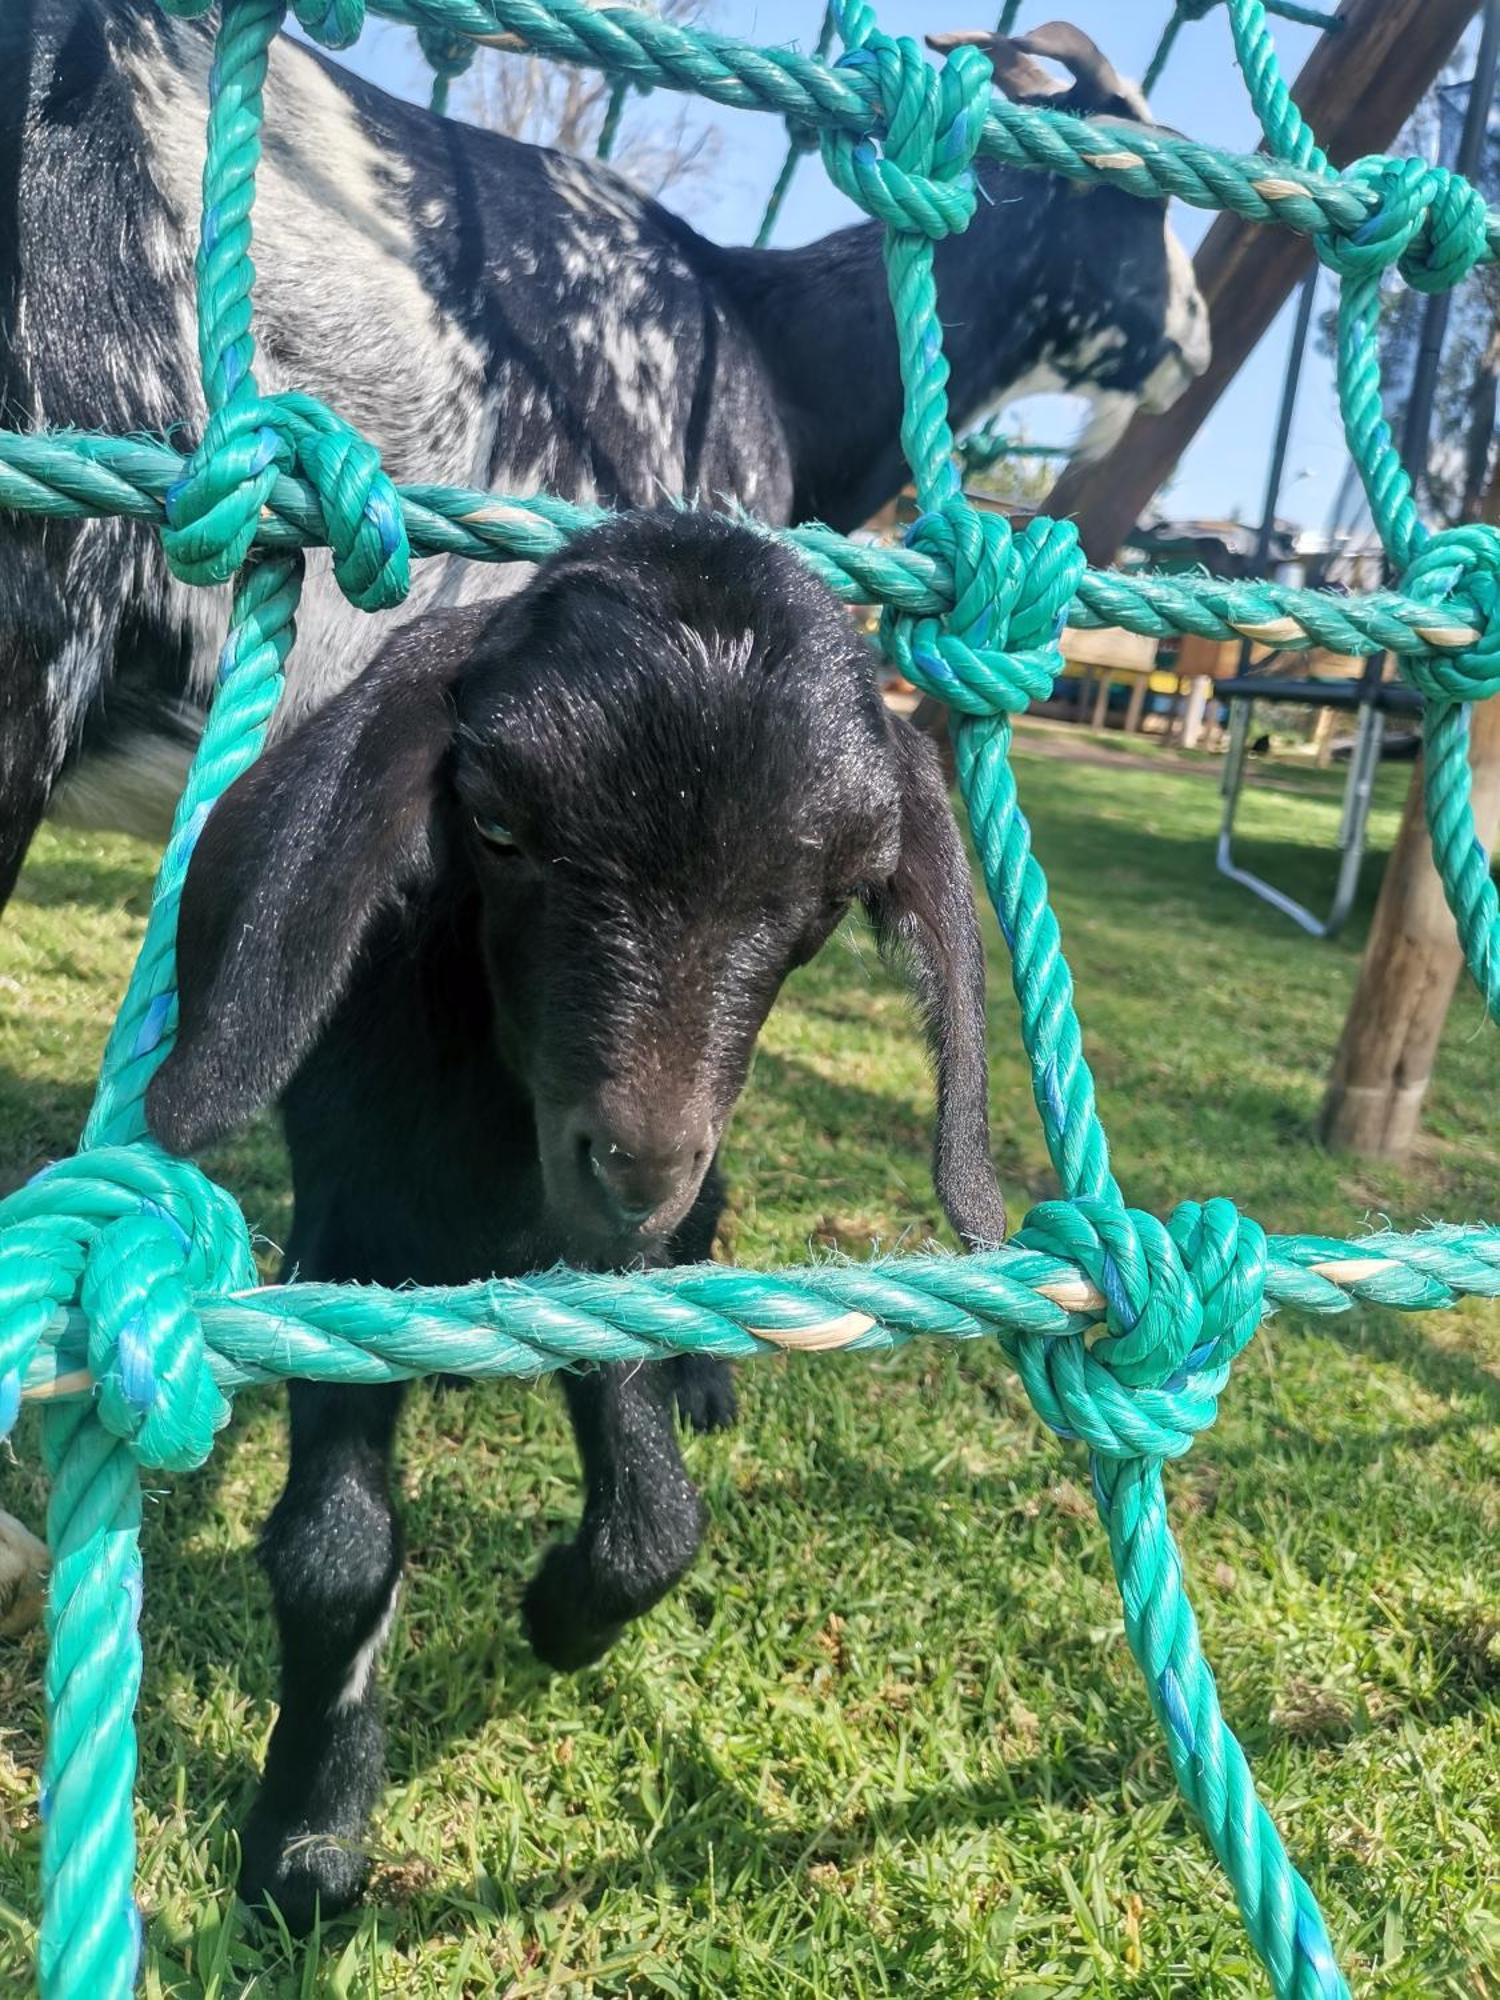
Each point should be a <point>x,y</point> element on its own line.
<point>127,1293</point>
<point>1199,10</point>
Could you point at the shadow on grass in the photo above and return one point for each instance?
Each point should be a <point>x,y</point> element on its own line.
<point>52,881</point>
<point>889,1129</point>
<point>710,1809</point>
<point>1399,1339</point>
<point>446,1689</point>
<point>750,1847</point>
<point>41,1118</point>
<point>1150,867</point>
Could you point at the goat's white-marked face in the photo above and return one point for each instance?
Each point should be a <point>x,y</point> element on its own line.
<point>1135,327</point>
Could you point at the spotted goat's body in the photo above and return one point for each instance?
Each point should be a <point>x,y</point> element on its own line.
<point>490,314</point>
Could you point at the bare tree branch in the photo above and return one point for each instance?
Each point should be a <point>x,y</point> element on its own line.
<point>664,142</point>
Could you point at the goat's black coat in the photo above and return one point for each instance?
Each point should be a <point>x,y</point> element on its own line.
<point>492,315</point>
<point>507,913</point>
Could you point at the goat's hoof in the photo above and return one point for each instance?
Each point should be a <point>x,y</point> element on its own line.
<point>308,1877</point>
<point>555,1617</point>
<point>23,1577</point>
<point>705,1392</point>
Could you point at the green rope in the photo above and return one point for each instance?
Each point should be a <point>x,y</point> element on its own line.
<point>132,1269</point>
<point>131,1273</point>
<point>448,57</point>
<point>79,475</point>
<point>983,449</point>
<point>91,1934</point>
<point>1182,12</point>
<point>524,1328</point>
<point>803,89</point>
<point>1199,10</point>
<point>609,131</point>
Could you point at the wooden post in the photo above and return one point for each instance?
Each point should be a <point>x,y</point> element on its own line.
<point>1412,965</point>
<point>1195,707</point>
<point>1356,89</point>
<point>1136,705</point>
<point>1100,717</point>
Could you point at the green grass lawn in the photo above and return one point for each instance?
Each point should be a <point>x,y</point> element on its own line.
<point>887,1738</point>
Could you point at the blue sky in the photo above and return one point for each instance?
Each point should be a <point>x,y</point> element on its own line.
<point>1202,94</point>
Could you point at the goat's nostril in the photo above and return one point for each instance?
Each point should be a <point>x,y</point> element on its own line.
<point>638,1185</point>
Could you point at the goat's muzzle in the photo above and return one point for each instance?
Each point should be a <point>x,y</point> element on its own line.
<point>624,1174</point>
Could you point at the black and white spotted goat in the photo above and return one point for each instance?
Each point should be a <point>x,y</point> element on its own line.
<point>503,921</point>
<point>491,315</point>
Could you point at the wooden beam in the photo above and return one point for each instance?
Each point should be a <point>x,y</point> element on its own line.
<point>1357,89</point>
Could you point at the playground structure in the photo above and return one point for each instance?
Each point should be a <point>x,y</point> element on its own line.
<point>128,1303</point>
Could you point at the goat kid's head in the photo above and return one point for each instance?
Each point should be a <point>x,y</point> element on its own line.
<point>1094,88</point>
<point>652,782</point>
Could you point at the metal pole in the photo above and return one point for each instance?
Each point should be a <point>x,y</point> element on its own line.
<point>1294,362</point>
<point>1416,433</point>
<point>1295,355</point>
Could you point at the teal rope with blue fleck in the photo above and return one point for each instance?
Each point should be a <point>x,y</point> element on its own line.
<point>126,1282</point>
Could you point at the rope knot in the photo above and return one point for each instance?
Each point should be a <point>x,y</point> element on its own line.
<point>1462,560</point>
<point>1181,1298</point>
<point>448,54</point>
<point>129,1235</point>
<point>335,24</point>
<point>1225,1256</point>
<point>1153,1313</point>
<point>920,178</point>
<point>996,650</point>
<point>214,508</point>
<point>1429,222</point>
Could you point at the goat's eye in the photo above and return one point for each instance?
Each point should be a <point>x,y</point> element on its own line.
<point>493,834</point>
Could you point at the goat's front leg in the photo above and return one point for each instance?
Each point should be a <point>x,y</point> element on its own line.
<point>23,1577</point>
<point>332,1549</point>
<point>642,1518</point>
<point>705,1386</point>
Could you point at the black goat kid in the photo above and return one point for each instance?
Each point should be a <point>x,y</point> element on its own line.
<point>502,923</point>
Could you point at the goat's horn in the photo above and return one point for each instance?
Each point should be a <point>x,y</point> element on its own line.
<point>1016,74</point>
<point>963,38</point>
<point>1061,42</point>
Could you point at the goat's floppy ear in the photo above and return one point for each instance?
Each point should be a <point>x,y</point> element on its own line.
<point>329,826</point>
<point>925,914</point>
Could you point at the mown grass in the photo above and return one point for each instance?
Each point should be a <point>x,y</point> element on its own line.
<point>887,1738</point>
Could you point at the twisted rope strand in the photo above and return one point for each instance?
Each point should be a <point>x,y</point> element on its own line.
<point>528,1327</point>
<point>73,476</point>
<point>91,1932</point>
